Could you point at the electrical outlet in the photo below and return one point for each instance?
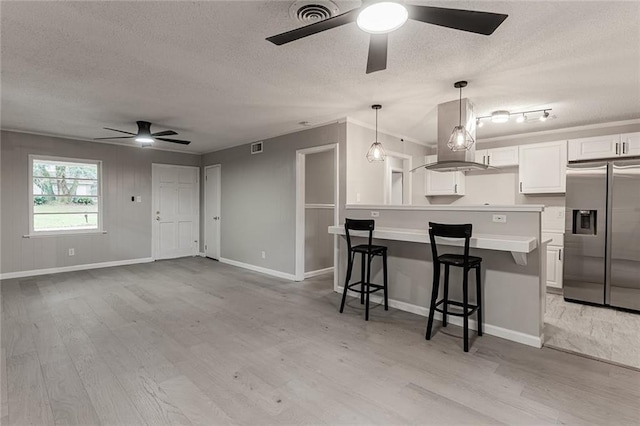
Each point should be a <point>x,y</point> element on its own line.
<point>560,214</point>
<point>72,252</point>
<point>264,254</point>
<point>500,218</point>
<point>375,214</point>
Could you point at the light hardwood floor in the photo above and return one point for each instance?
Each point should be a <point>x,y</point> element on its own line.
<point>192,341</point>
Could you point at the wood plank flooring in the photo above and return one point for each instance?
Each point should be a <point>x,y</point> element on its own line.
<point>194,342</point>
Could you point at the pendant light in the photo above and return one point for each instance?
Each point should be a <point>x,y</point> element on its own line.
<point>376,151</point>
<point>460,139</point>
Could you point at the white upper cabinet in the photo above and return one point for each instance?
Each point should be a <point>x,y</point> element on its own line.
<point>498,157</point>
<point>443,183</point>
<point>594,148</point>
<point>543,168</point>
<point>630,144</point>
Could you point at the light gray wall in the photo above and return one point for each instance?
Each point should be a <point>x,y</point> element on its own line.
<point>368,179</point>
<point>319,189</point>
<point>126,172</point>
<point>258,196</point>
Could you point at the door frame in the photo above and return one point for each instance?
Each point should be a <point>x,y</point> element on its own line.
<point>154,195</point>
<point>405,174</point>
<point>300,205</point>
<point>206,213</point>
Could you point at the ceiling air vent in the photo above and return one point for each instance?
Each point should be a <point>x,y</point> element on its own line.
<point>256,148</point>
<point>310,11</point>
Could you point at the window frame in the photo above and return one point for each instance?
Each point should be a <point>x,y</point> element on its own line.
<point>99,197</point>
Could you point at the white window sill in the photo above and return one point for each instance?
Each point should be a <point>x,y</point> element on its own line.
<point>63,234</point>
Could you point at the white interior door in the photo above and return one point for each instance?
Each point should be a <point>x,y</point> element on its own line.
<point>212,212</point>
<point>176,211</point>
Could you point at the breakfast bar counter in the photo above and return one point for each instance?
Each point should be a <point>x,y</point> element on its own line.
<point>507,238</point>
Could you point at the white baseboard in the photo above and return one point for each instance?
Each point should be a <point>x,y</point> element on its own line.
<point>35,272</point>
<point>260,269</point>
<point>317,272</point>
<point>514,336</point>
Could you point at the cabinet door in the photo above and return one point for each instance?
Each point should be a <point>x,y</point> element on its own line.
<point>503,157</point>
<point>481,156</point>
<point>630,144</point>
<point>543,168</point>
<point>443,183</point>
<point>594,148</point>
<point>554,266</point>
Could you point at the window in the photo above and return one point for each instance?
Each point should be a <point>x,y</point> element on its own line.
<point>65,195</point>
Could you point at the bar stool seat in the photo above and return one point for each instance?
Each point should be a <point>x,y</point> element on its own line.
<point>369,249</point>
<point>367,253</point>
<point>458,259</point>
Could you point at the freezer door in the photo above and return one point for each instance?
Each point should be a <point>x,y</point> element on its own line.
<point>585,232</point>
<point>625,235</point>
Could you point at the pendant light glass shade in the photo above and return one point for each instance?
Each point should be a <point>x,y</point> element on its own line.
<point>376,151</point>
<point>460,139</point>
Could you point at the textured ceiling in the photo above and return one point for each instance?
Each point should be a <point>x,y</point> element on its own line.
<point>205,70</point>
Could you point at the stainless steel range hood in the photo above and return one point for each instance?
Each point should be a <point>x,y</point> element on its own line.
<point>448,118</point>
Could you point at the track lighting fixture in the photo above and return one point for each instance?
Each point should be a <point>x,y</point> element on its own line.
<point>503,116</point>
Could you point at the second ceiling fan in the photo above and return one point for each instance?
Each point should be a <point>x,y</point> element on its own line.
<point>379,18</point>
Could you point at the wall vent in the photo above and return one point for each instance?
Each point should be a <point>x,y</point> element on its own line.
<point>256,147</point>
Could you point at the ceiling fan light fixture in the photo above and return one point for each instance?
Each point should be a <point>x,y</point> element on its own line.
<point>500,116</point>
<point>144,139</point>
<point>382,17</point>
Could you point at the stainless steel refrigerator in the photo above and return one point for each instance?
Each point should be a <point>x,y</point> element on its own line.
<point>602,233</point>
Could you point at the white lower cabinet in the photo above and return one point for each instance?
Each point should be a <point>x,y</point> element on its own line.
<point>555,253</point>
<point>443,183</point>
<point>543,168</point>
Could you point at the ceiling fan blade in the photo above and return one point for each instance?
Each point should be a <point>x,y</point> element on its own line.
<point>121,131</point>
<point>115,137</point>
<point>164,133</point>
<point>465,20</point>
<point>174,141</point>
<point>316,27</point>
<point>377,60</point>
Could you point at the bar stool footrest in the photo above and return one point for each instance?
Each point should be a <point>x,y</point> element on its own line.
<point>470,308</point>
<point>361,287</point>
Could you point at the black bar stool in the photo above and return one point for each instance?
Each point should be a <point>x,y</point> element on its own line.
<point>460,260</point>
<point>368,252</point>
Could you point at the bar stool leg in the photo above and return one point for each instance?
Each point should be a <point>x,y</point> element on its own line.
<point>479,299</point>
<point>362,277</point>
<point>366,309</point>
<point>346,283</point>
<point>445,304</point>
<point>465,300</point>
<point>384,271</point>
<point>434,298</point>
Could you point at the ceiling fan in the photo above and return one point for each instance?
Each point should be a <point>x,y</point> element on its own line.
<point>380,17</point>
<point>144,135</point>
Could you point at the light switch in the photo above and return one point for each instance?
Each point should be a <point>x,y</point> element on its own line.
<point>139,199</point>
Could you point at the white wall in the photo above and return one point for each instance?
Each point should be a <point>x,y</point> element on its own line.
<point>366,181</point>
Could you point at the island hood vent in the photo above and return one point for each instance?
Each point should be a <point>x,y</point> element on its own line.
<point>448,160</point>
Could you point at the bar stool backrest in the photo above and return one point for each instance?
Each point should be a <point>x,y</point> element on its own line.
<point>358,225</point>
<point>449,231</point>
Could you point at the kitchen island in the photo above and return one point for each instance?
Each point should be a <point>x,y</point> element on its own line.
<point>508,238</point>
